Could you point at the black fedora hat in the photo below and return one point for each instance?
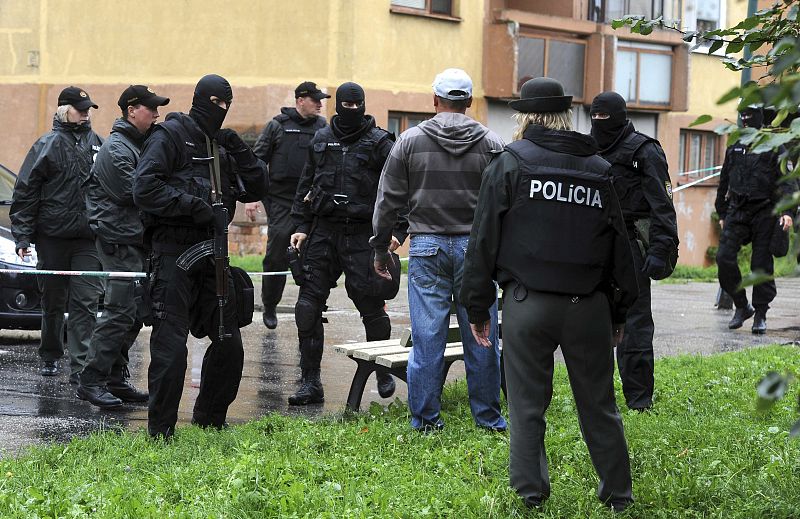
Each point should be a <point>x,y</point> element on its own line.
<point>540,95</point>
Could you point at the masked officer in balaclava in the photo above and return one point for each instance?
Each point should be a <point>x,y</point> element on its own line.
<point>749,186</point>
<point>333,211</point>
<point>172,188</point>
<point>641,179</point>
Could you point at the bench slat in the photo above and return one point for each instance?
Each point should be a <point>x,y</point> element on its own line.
<point>452,352</point>
<point>348,349</point>
<point>371,353</point>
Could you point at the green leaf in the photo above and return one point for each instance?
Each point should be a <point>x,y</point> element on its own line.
<point>774,141</point>
<point>754,278</point>
<point>689,36</point>
<point>616,24</point>
<point>749,23</point>
<point>733,93</point>
<point>782,114</point>
<point>787,202</point>
<point>715,46</point>
<point>734,47</point>
<point>772,387</point>
<point>701,120</point>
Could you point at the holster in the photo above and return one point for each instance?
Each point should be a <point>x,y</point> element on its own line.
<point>295,265</point>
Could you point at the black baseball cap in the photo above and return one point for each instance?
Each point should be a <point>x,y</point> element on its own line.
<point>141,95</point>
<point>77,97</point>
<point>309,89</point>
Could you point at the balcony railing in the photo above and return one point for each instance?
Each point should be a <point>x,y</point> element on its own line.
<point>604,11</point>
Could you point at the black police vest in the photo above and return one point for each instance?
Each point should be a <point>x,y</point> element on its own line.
<point>753,176</point>
<point>291,151</point>
<point>346,177</point>
<point>557,235</point>
<point>193,176</point>
<point>627,175</point>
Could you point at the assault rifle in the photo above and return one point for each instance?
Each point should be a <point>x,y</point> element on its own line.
<point>218,246</point>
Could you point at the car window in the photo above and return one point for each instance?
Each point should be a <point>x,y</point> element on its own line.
<point>7,180</point>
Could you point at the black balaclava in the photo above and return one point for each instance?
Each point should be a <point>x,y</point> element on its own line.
<point>752,117</point>
<point>208,115</point>
<point>606,131</point>
<point>349,120</point>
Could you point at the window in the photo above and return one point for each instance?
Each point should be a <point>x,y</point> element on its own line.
<point>643,74</point>
<point>708,15</point>
<point>435,7</point>
<point>699,152</point>
<point>607,10</point>
<point>556,58</point>
<point>402,121</point>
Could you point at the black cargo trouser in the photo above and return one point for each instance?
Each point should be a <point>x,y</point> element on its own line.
<point>743,227</point>
<point>326,255</point>
<point>635,353</point>
<point>279,230</point>
<point>118,326</point>
<point>78,295</point>
<point>180,299</point>
<point>532,330</point>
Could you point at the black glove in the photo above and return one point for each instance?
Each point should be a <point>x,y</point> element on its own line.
<point>202,213</point>
<point>231,141</point>
<point>654,267</point>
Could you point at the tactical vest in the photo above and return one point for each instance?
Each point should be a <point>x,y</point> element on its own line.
<point>193,175</point>
<point>753,176</point>
<point>557,235</point>
<point>345,182</point>
<point>626,172</point>
<point>291,147</point>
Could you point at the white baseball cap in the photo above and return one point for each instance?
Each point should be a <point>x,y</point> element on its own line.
<point>453,84</point>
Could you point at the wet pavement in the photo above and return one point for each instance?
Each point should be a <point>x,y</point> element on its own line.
<point>35,409</point>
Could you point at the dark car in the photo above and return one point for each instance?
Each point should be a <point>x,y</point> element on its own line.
<point>19,293</point>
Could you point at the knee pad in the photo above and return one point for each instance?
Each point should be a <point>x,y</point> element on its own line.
<point>378,327</point>
<point>306,315</point>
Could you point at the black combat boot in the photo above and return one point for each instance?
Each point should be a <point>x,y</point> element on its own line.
<point>386,384</point>
<point>270,317</point>
<point>99,396</point>
<point>760,322</point>
<point>310,391</point>
<point>119,386</point>
<point>740,316</point>
<point>49,368</point>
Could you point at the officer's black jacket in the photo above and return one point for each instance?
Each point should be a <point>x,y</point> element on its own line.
<point>750,181</point>
<point>339,183</point>
<point>283,146</point>
<point>172,178</point>
<point>109,188</point>
<point>549,219</point>
<point>641,180</point>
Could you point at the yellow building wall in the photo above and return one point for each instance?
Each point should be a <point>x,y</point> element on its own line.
<point>264,47</point>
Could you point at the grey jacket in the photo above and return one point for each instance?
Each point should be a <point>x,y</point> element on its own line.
<point>109,189</point>
<point>434,169</point>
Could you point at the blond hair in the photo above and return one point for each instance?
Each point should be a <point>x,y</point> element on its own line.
<point>551,120</point>
<point>61,113</point>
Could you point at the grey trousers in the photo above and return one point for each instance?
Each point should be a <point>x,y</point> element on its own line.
<point>532,330</point>
<point>78,295</point>
<point>117,327</point>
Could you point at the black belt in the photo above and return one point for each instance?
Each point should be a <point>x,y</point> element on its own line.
<point>345,227</point>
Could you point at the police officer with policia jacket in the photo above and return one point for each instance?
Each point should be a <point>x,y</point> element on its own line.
<point>333,211</point>
<point>283,146</point>
<point>750,184</point>
<point>119,240</point>
<point>548,228</point>
<point>48,210</point>
<point>641,180</point>
<point>186,164</point>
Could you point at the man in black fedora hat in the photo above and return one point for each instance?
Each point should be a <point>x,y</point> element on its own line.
<point>549,230</point>
<point>641,178</point>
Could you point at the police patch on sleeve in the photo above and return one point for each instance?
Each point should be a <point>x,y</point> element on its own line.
<point>668,187</point>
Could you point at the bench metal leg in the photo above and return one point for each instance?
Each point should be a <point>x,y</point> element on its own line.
<point>363,371</point>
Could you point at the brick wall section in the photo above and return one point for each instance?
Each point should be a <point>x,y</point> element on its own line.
<point>246,237</point>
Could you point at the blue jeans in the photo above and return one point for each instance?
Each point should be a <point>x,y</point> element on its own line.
<point>435,267</point>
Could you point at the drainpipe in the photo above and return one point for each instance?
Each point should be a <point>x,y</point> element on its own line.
<point>752,5</point>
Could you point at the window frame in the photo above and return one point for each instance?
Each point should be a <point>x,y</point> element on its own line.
<point>702,47</point>
<point>547,38</point>
<point>639,50</point>
<point>404,116</point>
<point>426,11</point>
<point>684,146</point>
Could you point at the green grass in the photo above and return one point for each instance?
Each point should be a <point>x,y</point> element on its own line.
<point>249,262</point>
<point>785,266</point>
<point>704,453</point>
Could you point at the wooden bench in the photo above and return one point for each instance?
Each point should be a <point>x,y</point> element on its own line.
<point>392,354</point>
